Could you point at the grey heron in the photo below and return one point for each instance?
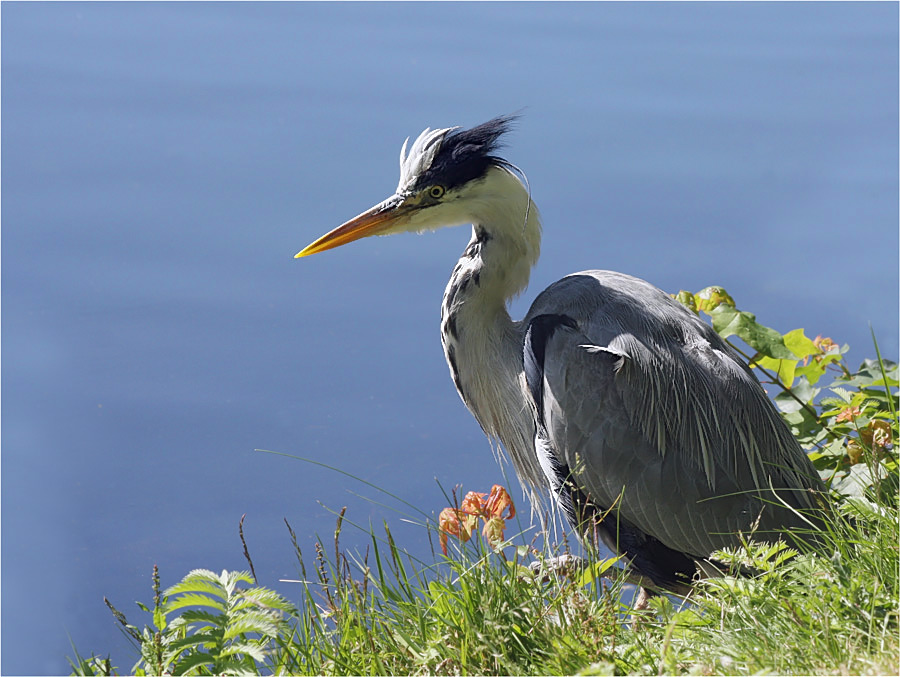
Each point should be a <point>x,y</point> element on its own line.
<point>648,429</point>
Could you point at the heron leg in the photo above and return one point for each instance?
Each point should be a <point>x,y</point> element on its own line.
<point>641,604</point>
<point>569,565</point>
<point>643,599</point>
<point>564,565</point>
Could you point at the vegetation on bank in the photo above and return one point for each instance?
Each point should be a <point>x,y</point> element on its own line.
<point>492,605</point>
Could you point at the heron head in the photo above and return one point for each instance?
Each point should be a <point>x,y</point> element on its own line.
<point>440,177</point>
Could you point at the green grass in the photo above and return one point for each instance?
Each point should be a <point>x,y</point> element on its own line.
<point>482,610</point>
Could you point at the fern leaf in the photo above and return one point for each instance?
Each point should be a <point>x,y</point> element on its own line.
<point>233,577</point>
<point>191,661</point>
<point>263,597</point>
<point>252,649</point>
<point>199,586</point>
<point>259,623</point>
<point>845,395</point>
<point>199,616</point>
<point>201,574</point>
<point>192,599</point>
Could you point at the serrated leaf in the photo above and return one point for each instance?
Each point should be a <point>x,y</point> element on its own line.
<point>191,599</point>
<point>261,598</point>
<point>846,396</point>
<point>200,638</point>
<point>191,661</point>
<point>234,577</point>
<point>268,598</point>
<point>199,616</point>
<point>199,586</point>
<point>202,574</point>
<point>247,648</point>
<point>253,623</point>
<point>805,391</point>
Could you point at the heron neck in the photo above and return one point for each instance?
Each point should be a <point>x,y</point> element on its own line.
<point>497,262</point>
<point>482,344</point>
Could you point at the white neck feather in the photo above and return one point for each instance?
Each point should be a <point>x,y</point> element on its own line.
<point>482,344</point>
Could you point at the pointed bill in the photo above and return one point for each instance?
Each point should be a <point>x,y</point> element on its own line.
<point>375,221</point>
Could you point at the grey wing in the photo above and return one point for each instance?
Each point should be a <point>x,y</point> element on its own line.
<point>653,416</point>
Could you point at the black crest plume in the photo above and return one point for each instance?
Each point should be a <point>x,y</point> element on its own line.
<point>466,154</point>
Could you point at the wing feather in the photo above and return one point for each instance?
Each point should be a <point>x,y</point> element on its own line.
<point>653,413</point>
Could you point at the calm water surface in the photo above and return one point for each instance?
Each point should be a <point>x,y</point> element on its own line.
<point>162,163</point>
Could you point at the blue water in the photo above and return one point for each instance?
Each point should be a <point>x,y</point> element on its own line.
<point>162,163</point>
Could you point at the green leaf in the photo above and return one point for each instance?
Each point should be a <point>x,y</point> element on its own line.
<point>728,321</point>
<point>869,375</point>
<point>595,570</point>
<point>783,369</point>
<point>250,623</point>
<point>686,299</point>
<point>265,598</point>
<point>197,586</point>
<point>159,618</point>
<point>835,449</point>
<point>248,648</point>
<point>801,390</point>
<point>234,577</point>
<point>199,639</point>
<point>799,344</point>
<point>199,616</point>
<point>855,482</point>
<point>846,396</point>
<point>191,661</point>
<point>711,298</point>
<point>815,368</point>
<point>195,600</point>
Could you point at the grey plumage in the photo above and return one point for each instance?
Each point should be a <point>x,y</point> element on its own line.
<point>609,395</point>
<point>674,431</point>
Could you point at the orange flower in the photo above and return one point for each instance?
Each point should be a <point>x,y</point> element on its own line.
<point>825,346</point>
<point>451,525</point>
<point>499,501</point>
<point>493,531</point>
<point>877,434</point>
<point>493,510</point>
<point>848,414</point>
<point>473,504</point>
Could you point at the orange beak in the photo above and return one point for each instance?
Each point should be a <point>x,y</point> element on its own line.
<point>375,221</point>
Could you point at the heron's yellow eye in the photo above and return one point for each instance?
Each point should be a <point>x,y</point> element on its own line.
<point>436,192</point>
